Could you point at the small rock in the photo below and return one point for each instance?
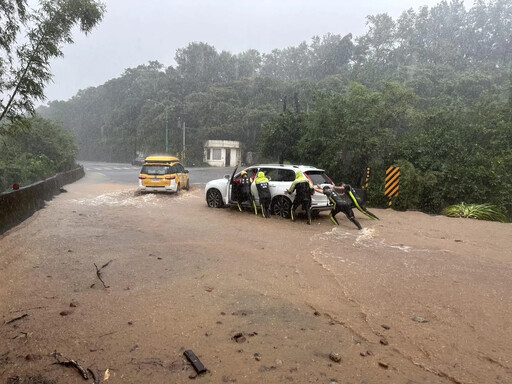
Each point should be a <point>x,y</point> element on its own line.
<point>193,375</point>
<point>386,327</point>
<point>334,356</point>
<point>70,250</point>
<point>239,338</point>
<point>257,356</point>
<point>419,319</point>
<point>30,357</point>
<point>458,241</point>
<point>278,362</point>
<point>316,313</point>
<point>130,323</point>
<point>219,322</point>
<point>159,258</point>
<point>73,305</point>
<point>384,342</point>
<point>207,333</point>
<point>66,313</point>
<point>383,365</point>
<point>223,313</point>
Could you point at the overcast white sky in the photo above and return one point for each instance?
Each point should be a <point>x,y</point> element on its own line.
<point>134,32</point>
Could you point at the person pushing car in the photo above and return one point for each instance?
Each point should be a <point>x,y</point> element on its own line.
<point>339,205</point>
<point>303,189</point>
<point>262,186</point>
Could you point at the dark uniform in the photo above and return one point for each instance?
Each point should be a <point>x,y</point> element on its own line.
<point>303,190</point>
<point>263,193</point>
<point>340,205</point>
<point>244,192</point>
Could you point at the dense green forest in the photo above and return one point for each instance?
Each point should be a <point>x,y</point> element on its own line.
<point>430,91</point>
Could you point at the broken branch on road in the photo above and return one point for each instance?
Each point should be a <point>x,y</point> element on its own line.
<point>98,273</point>
<point>17,318</point>
<point>72,364</point>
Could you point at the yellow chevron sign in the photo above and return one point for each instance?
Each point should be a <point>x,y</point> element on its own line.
<point>392,183</point>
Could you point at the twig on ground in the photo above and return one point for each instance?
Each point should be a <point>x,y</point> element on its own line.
<point>98,273</point>
<point>96,379</point>
<point>71,363</point>
<point>17,318</point>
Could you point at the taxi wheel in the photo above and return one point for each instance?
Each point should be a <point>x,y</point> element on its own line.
<point>178,189</point>
<point>188,185</point>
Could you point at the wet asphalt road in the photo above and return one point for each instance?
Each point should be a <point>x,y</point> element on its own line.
<point>124,173</point>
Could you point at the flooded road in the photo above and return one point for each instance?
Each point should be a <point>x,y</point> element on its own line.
<point>410,299</point>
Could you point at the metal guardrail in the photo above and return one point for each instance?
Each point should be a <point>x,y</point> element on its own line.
<point>18,205</point>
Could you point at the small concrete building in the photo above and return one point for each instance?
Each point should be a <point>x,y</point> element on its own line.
<point>222,153</point>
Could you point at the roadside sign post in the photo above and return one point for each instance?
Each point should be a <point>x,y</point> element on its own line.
<point>392,183</point>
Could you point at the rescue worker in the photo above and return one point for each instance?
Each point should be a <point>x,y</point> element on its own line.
<point>303,188</point>
<point>339,205</point>
<point>262,186</point>
<point>244,192</point>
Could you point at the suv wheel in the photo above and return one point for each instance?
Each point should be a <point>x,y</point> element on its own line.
<point>281,206</point>
<point>214,199</point>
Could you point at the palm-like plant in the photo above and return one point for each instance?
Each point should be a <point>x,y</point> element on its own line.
<point>487,212</point>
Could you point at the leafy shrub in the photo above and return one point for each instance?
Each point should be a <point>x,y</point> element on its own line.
<point>487,212</point>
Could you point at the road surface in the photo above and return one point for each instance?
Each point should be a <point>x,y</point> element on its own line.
<point>125,282</point>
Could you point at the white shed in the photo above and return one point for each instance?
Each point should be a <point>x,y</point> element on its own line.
<point>222,153</point>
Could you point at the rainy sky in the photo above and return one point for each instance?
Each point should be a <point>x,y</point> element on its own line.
<point>134,32</point>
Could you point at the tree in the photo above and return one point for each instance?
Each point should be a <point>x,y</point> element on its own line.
<point>25,67</point>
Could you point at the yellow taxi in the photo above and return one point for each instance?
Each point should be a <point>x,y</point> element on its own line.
<point>163,174</point>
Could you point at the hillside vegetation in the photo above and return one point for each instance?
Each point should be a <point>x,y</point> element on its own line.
<point>430,91</point>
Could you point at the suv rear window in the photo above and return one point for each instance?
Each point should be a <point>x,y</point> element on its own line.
<point>157,170</point>
<point>318,177</point>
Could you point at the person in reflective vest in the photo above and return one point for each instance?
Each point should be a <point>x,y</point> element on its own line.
<point>303,189</point>
<point>339,205</point>
<point>262,186</point>
<point>244,194</point>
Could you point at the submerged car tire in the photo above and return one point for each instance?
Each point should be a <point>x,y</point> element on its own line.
<point>214,198</point>
<point>281,206</point>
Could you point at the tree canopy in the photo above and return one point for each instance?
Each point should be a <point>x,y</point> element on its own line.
<point>430,90</point>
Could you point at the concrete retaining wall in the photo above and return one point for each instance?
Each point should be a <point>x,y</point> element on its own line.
<point>16,206</point>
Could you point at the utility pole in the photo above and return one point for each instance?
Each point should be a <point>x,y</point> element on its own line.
<point>184,146</point>
<point>166,130</point>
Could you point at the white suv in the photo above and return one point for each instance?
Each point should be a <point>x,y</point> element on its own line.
<point>219,192</point>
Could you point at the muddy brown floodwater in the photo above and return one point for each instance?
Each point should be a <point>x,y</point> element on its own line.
<point>410,299</point>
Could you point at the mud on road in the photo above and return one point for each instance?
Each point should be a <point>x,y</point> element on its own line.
<point>410,299</point>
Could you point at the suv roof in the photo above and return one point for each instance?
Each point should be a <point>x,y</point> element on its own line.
<point>286,166</point>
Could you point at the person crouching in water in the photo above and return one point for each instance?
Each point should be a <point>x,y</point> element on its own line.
<point>303,188</point>
<point>261,182</point>
<point>340,205</point>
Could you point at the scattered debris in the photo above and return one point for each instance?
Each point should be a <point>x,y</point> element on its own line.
<point>135,347</point>
<point>386,327</point>
<point>21,334</point>
<point>17,318</point>
<point>419,319</point>
<point>383,365</point>
<point>38,379</point>
<point>367,353</point>
<point>66,313</point>
<point>194,360</point>
<point>239,337</point>
<point>95,378</point>
<point>384,342</point>
<point>98,273</point>
<point>73,305</point>
<point>106,376</point>
<point>72,364</point>
<point>336,357</point>
<point>257,356</point>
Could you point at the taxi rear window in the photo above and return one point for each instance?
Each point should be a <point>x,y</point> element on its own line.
<point>157,170</point>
